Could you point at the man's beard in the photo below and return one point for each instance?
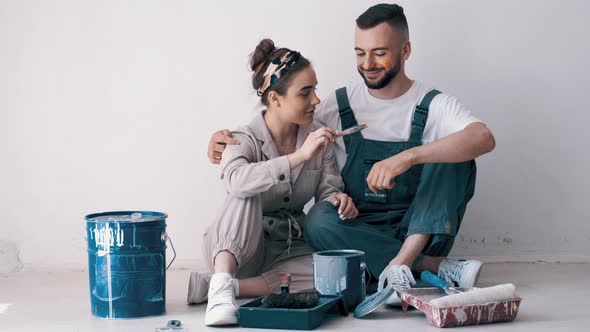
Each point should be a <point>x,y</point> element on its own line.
<point>389,75</point>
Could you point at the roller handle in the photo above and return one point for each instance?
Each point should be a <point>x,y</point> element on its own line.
<point>434,280</point>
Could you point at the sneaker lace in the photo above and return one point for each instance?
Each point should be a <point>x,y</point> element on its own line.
<point>452,271</point>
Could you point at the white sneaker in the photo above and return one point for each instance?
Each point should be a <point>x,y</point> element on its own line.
<point>198,286</point>
<point>221,307</point>
<point>397,277</point>
<point>464,273</point>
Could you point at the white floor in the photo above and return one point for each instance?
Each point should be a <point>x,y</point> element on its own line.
<point>555,298</point>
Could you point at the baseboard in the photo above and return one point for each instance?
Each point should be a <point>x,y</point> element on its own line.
<point>552,259</point>
<point>198,265</point>
<point>178,264</point>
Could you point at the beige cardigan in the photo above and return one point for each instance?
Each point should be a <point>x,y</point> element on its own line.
<point>255,167</point>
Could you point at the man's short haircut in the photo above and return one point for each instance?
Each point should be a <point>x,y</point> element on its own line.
<point>393,14</point>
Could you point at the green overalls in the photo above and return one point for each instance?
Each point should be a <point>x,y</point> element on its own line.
<point>427,199</point>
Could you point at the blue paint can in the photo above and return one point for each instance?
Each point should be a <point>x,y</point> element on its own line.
<point>127,263</point>
<point>340,272</point>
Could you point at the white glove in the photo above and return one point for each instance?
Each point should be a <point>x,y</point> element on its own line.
<point>397,277</point>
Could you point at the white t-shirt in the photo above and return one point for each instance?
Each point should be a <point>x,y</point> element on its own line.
<point>391,120</point>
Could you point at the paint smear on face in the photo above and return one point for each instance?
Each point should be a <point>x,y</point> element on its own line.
<point>385,63</point>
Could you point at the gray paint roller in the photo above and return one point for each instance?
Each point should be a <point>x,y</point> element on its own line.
<point>469,297</point>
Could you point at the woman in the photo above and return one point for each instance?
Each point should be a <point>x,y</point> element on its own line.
<point>283,160</point>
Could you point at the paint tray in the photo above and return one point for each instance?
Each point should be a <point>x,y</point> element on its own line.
<point>253,314</point>
<point>493,312</point>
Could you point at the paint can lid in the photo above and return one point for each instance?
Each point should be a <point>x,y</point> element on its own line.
<point>372,302</point>
<point>339,253</point>
<point>126,216</point>
<point>173,325</point>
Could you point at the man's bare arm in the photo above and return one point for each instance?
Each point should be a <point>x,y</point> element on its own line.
<point>473,141</point>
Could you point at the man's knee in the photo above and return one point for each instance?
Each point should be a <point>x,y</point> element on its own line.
<point>440,245</point>
<point>319,222</point>
<point>320,212</point>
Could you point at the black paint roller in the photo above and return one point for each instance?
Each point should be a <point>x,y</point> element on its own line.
<point>287,300</point>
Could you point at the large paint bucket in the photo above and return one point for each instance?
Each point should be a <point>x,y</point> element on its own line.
<point>340,272</point>
<point>126,263</point>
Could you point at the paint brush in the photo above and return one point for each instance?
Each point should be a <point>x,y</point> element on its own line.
<point>351,130</point>
<point>435,280</point>
<point>284,299</point>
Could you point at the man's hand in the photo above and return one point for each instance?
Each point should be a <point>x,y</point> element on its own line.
<point>346,207</point>
<point>383,173</point>
<point>217,144</point>
<point>396,277</point>
<point>467,144</point>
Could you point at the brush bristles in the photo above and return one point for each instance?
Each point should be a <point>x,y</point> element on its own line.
<point>291,300</point>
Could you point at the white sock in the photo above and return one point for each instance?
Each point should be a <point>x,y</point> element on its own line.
<point>236,283</point>
<point>220,275</point>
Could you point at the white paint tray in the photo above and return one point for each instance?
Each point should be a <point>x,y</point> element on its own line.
<point>493,312</point>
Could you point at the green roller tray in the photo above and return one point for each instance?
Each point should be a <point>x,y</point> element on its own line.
<point>253,314</point>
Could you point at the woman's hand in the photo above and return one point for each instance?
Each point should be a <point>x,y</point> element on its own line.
<point>314,142</point>
<point>346,207</point>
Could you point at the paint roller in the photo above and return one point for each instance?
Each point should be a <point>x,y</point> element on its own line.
<point>473,296</point>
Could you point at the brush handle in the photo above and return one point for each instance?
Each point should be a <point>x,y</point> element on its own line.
<point>434,280</point>
<point>351,130</point>
<point>285,281</point>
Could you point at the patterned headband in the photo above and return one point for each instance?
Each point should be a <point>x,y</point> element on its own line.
<point>277,68</point>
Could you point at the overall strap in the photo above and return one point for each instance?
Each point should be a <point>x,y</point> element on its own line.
<point>421,115</point>
<point>347,118</point>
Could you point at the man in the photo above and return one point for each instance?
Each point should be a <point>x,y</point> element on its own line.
<point>411,173</point>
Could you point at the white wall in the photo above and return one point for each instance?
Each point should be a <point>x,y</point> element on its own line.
<point>109,105</point>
